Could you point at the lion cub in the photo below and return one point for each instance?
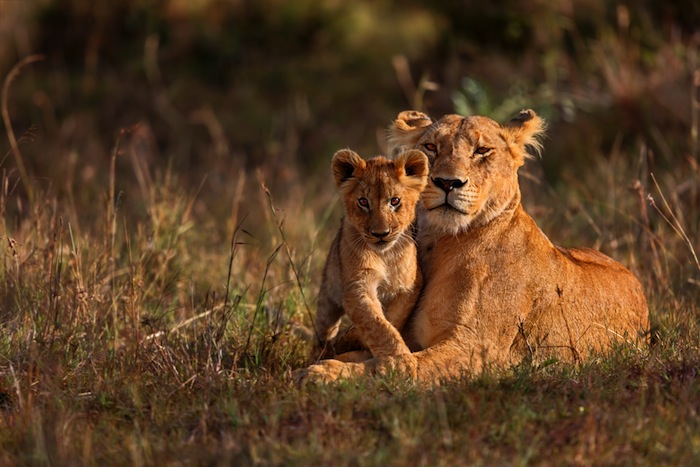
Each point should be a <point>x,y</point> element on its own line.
<point>371,272</point>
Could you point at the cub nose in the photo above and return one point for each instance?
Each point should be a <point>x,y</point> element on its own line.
<point>448,185</point>
<point>381,234</point>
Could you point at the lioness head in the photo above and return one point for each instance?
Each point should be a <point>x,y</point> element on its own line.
<point>380,195</point>
<point>473,164</point>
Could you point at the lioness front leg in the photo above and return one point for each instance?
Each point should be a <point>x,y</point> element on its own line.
<point>445,360</point>
<point>328,370</point>
<point>400,308</point>
<point>448,359</point>
<point>331,370</point>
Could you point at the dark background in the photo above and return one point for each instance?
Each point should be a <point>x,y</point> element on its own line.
<point>208,90</point>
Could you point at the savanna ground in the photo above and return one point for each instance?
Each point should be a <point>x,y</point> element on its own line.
<point>166,208</point>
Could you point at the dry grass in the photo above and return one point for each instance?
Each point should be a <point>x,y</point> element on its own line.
<point>142,338</point>
<point>152,315</point>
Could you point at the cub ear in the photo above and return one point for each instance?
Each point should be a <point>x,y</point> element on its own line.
<point>346,164</point>
<point>412,167</point>
<point>407,129</point>
<point>525,129</point>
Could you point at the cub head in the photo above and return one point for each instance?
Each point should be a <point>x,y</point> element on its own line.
<point>379,194</point>
<point>473,165</point>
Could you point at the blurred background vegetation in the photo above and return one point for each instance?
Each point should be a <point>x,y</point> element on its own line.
<point>217,87</point>
<point>166,215</point>
<point>210,99</point>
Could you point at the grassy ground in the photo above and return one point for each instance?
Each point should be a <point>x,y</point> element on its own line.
<point>156,278</point>
<point>141,337</point>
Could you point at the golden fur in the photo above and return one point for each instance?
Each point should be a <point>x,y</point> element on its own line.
<point>497,291</point>
<point>371,272</point>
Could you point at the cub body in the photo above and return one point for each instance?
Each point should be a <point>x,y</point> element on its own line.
<point>371,273</point>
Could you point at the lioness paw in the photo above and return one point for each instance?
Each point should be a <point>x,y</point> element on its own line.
<point>325,372</point>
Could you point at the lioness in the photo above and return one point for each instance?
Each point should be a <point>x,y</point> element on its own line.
<point>371,272</point>
<point>496,289</point>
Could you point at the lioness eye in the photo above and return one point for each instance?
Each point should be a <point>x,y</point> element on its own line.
<point>481,150</point>
<point>395,201</point>
<point>363,202</point>
<point>430,147</point>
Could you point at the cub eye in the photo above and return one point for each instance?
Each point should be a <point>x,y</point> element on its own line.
<point>395,201</point>
<point>363,202</point>
<point>430,147</point>
<point>481,150</point>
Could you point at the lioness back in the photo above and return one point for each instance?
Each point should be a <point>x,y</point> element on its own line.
<point>371,271</point>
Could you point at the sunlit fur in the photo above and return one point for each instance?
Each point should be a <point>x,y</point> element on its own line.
<point>496,290</point>
<point>371,272</point>
<point>491,182</point>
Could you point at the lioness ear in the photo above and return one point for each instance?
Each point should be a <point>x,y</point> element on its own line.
<point>407,129</point>
<point>525,129</point>
<point>345,165</point>
<point>412,167</point>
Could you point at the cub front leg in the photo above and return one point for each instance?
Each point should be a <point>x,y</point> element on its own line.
<point>354,356</point>
<point>365,310</point>
<point>349,339</point>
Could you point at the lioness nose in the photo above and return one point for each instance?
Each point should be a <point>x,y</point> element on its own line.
<point>381,234</point>
<point>448,185</point>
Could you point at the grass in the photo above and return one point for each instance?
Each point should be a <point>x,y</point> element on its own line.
<point>639,409</point>
<point>153,315</point>
<point>142,338</point>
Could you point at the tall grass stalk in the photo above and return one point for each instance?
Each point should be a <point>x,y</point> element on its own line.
<point>673,221</point>
<point>11,76</point>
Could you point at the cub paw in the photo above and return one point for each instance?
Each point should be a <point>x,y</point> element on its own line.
<point>405,365</point>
